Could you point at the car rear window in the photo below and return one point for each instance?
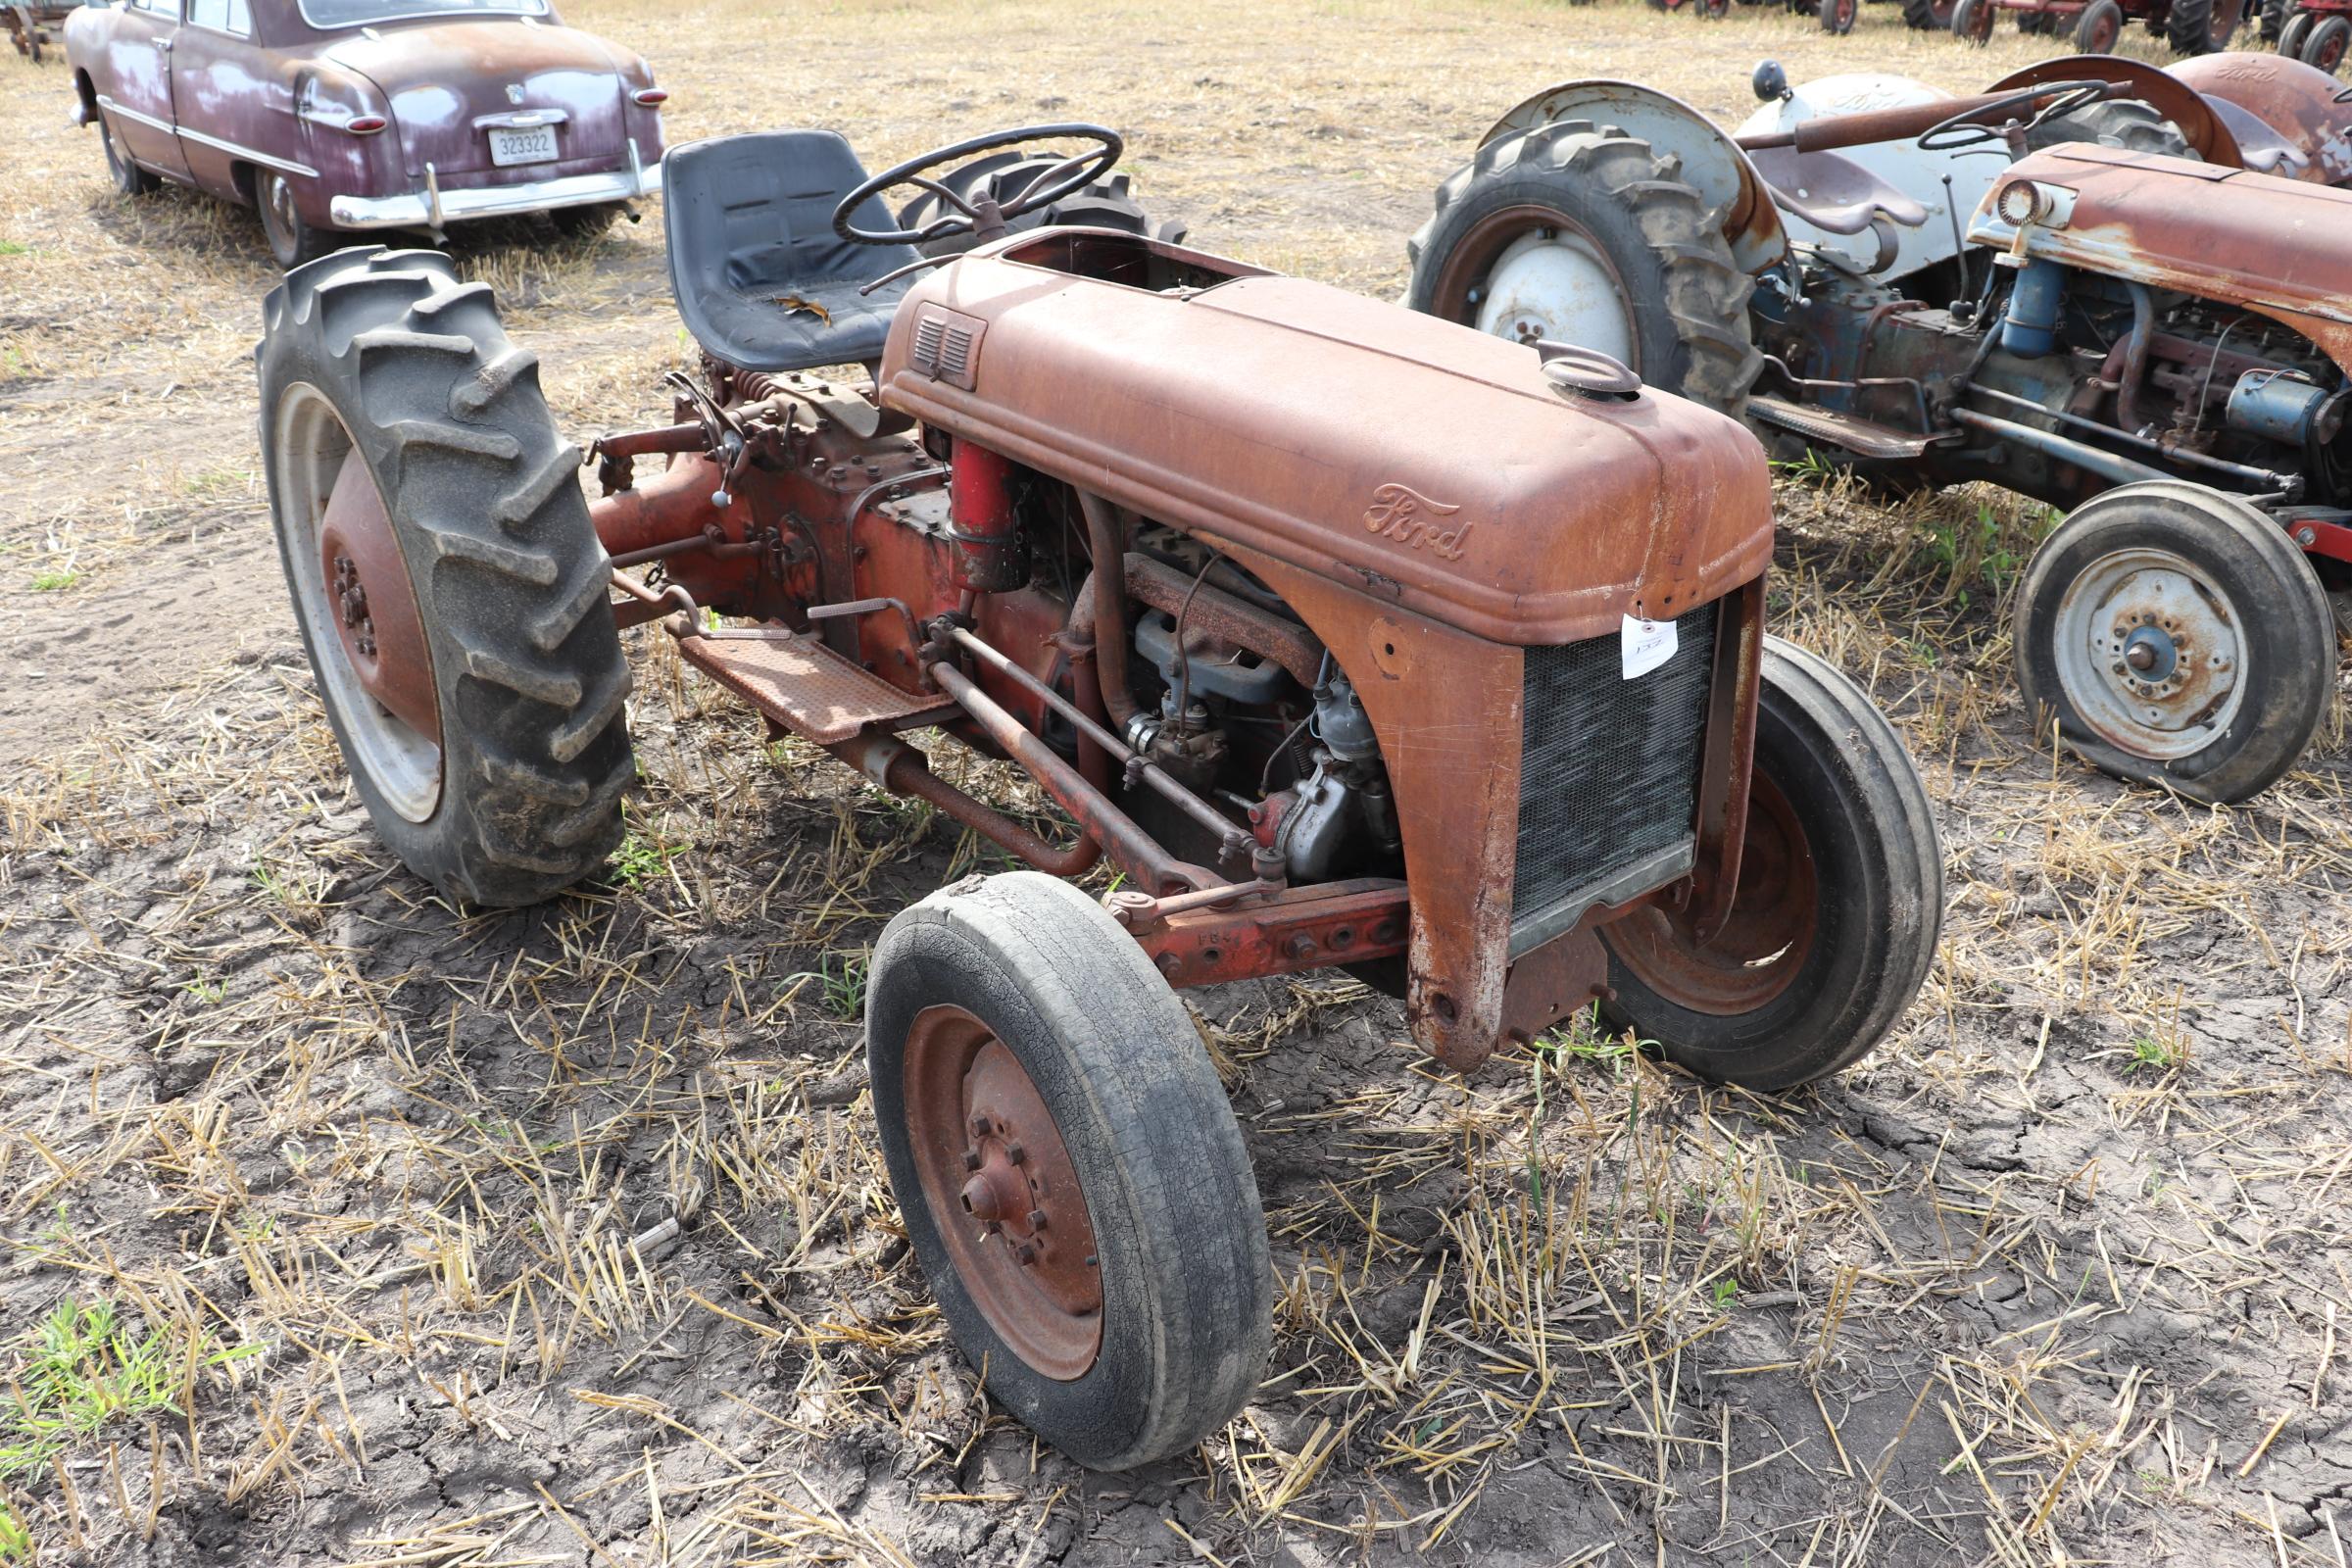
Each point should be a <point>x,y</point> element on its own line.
<point>327,15</point>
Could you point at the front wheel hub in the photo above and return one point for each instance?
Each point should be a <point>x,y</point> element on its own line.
<point>1003,1192</point>
<point>2149,653</point>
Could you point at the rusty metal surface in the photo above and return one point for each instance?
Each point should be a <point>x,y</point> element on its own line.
<point>1446,707</point>
<point>803,685</point>
<point>2169,94</point>
<point>2275,247</point>
<point>1220,616</point>
<point>1278,932</point>
<point>1129,847</point>
<point>2297,101</point>
<point>1002,1192</point>
<point>903,770</point>
<point>1544,527</point>
<point>373,603</point>
<point>1553,981</point>
<point>1727,767</point>
<point>1761,945</point>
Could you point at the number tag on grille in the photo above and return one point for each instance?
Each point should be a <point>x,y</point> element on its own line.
<point>1646,645</point>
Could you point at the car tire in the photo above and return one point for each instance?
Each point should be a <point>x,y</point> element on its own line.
<point>292,242</point>
<point>127,177</point>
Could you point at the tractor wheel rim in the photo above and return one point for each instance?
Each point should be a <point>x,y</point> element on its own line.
<point>1002,1192</point>
<point>358,608</point>
<point>2149,653</point>
<point>1765,941</point>
<point>1530,274</point>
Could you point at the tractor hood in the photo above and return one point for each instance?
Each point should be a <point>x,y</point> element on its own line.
<point>2273,246</point>
<point>1419,462</point>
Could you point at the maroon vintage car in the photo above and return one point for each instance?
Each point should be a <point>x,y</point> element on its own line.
<point>354,114</point>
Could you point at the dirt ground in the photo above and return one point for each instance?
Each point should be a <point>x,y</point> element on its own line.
<point>2062,1275</point>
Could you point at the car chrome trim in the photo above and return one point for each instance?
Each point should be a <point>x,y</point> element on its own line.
<point>149,120</point>
<point>281,164</point>
<point>521,119</point>
<point>434,207</point>
<point>233,149</point>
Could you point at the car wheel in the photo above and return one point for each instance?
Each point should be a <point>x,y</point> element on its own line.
<point>291,240</point>
<point>128,178</point>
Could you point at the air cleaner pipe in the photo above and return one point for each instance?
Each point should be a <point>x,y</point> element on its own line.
<point>1230,835</point>
<point>1136,851</point>
<point>902,769</point>
<point>1110,608</point>
<point>2106,464</point>
<point>2270,482</point>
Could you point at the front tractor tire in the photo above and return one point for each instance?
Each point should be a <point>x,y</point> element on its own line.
<point>1837,910</point>
<point>1073,1182</point>
<point>2177,637</point>
<point>449,590</point>
<point>1580,234</point>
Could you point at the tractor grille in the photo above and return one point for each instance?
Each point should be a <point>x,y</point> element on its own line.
<point>1608,775</point>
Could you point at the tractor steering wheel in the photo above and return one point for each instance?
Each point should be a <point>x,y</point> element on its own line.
<point>983,217</point>
<point>1970,127</point>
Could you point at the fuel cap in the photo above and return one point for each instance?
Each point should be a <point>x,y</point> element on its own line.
<point>1582,372</point>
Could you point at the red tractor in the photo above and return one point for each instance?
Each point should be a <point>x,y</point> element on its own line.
<point>2187,27</point>
<point>2316,32</point>
<point>1492,725</point>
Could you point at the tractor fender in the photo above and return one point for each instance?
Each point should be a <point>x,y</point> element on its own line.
<point>2211,134</point>
<point>2229,235</point>
<point>1918,175</point>
<point>2297,103</point>
<point>1711,163</point>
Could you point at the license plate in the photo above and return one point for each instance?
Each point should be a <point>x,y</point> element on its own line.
<point>537,146</point>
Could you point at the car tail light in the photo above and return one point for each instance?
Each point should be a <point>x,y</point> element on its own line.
<point>366,125</point>
<point>652,97</point>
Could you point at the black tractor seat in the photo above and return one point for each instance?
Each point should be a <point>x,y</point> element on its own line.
<point>760,279</point>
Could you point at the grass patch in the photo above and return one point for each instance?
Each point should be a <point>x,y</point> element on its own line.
<point>84,1370</point>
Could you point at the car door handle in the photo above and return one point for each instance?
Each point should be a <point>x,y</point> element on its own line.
<point>164,44</point>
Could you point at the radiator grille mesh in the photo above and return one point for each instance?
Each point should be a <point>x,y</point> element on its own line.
<point>1608,768</point>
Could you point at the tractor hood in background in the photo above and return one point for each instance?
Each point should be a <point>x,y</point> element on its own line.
<point>440,77</point>
<point>1423,464</point>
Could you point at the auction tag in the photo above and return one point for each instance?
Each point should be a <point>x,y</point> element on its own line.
<point>1646,645</point>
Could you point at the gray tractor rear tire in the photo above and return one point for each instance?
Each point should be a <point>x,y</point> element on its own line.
<point>2203,26</point>
<point>510,581</point>
<point>1685,296</point>
<point>2123,123</point>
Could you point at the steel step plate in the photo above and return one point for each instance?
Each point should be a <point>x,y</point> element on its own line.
<point>1864,438</point>
<point>805,686</point>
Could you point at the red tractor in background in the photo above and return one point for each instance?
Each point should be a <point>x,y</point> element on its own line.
<point>2317,32</point>
<point>2187,27</point>
<point>1494,725</point>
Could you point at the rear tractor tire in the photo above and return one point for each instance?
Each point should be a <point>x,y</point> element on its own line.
<point>2203,26</point>
<point>1578,233</point>
<point>1927,15</point>
<point>1835,918</point>
<point>1072,1179</point>
<point>449,590</point>
<point>2123,123</point>
<point>2178,638</point>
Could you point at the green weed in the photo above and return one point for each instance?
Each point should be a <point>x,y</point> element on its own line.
<point>83,1370</point>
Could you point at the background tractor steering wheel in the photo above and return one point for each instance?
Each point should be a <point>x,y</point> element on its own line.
<point>1972,128</point>
<point>981,218</point>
